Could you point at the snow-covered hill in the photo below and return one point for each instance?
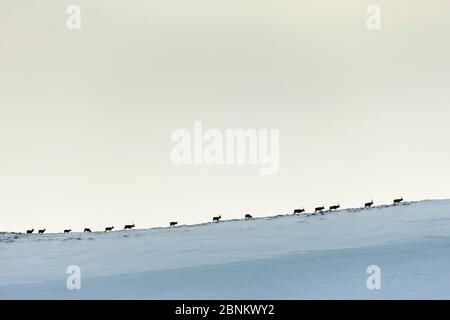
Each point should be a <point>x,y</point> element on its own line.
<point>283,257</point>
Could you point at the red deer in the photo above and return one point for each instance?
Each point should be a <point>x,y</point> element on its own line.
<point>248,216</point>
<point>67,230</point>
<point>30,231</point>
<point>216,219</point>
<point>319,209</point>
<point>335,207</point>
<point>41,231</point>
<point>398,200</point>
<point>129,227</point>
<point>87,230</point>
<point>298,211</point>
<point>368,204</point>
<point>173,223</point>
<point>108,229</point>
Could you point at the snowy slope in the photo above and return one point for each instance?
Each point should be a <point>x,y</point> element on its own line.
<point>283,257</point>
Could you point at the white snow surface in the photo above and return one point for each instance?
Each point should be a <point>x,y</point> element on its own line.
<point>281,257</point>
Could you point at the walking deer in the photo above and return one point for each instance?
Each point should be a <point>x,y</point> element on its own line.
<point>368,204</point>
<point>335,207</point>
<point>319,209</point>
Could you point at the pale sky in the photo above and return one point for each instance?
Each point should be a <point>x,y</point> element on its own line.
<point>86,115</point>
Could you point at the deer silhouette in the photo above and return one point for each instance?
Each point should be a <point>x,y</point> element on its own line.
<point>319,209</point>
<point>368,204</point>
<point>216,219</point>
<point>30,231</point>
<point>41,231</point>
<point>299,211</point>
<point>335,207</point>
<point>248,216</point>
<point>108,229</point>
<point>396,201</point>
<point>173,223</point>
<point>129,227</point>
<point>87,230</point>
<point>67,230</point>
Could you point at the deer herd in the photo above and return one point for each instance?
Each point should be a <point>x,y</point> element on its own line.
<point>217,218</point>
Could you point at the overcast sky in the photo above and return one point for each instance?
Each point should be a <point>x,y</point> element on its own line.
<point>86,115</point>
